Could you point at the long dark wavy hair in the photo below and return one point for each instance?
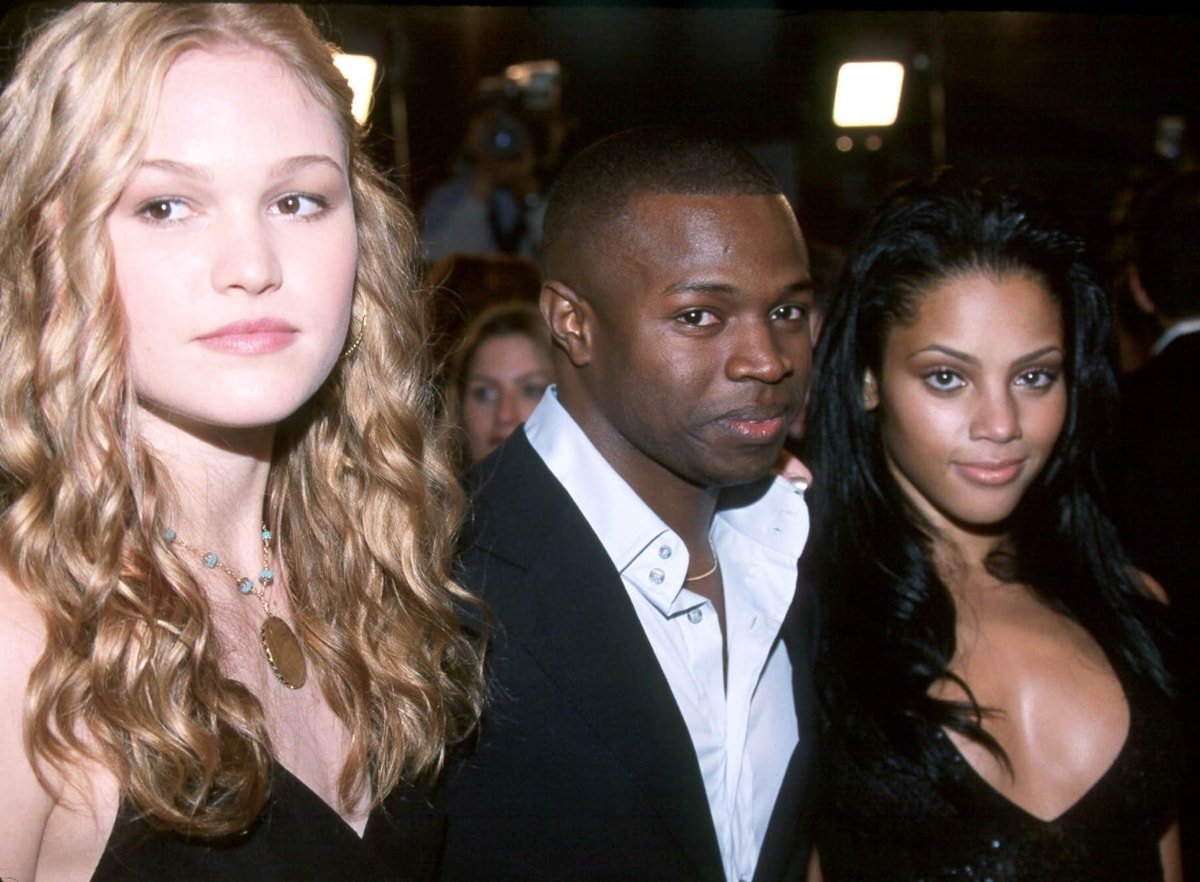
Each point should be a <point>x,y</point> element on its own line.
<point>889,629</point>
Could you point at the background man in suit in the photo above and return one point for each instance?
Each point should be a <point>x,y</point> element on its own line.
<point>1156,473</point>
<point>654,713</point>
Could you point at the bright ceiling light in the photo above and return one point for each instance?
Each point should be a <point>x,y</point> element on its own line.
<point>868,93</point>
<point>359,71</point>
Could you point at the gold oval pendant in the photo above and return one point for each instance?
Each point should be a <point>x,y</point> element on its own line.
<point>284,654</point>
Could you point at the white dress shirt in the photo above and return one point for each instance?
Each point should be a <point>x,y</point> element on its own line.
<point>744,727</point>
<point>1177,330</point>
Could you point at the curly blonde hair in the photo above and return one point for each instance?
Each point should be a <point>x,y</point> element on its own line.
<point>361,488</point>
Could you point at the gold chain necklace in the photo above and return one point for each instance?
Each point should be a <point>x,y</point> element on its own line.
<point>280,645</point>
<point>716,564</point>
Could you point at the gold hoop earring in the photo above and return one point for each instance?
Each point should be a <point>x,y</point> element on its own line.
<point>353,347</point>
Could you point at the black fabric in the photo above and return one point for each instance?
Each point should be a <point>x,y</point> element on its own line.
<point>1155,479</point>
<point>1155,475</point>
<point>297,837</point>
<point>877,822</point>
<point>584,769</point>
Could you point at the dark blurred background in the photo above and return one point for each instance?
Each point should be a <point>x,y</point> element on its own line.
<point>1072,105</point>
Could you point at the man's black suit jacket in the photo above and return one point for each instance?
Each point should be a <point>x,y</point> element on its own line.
<point>584,768</point>
<point>1155,478</point>
<point>1157,469</point>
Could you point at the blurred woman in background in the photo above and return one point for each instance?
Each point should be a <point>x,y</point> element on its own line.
<point>498,374</point>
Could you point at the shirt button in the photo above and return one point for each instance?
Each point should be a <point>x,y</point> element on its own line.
<point>695,615</point>
<point>664,551</point>
<point>657,576</point>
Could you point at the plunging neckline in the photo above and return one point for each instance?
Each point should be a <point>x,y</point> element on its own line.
<point>947,822</point>
<point>959,760</point>
<point>295,834</point>
<point>282,771</point>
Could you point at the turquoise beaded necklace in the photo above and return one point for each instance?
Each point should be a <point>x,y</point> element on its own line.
<point>284,653</point>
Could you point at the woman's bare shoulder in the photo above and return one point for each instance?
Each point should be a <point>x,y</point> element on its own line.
<point>27,802</point>
<point>22,630</point>
<point>16,601</point>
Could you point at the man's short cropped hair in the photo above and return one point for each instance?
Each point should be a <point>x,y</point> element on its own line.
<point>594,188</point>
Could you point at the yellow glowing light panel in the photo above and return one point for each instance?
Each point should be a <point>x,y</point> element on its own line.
<point>359,71</point>
<point>868,93</point>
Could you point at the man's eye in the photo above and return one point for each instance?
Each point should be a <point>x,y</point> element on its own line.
<point>697,317</point>
<point>791,312</point>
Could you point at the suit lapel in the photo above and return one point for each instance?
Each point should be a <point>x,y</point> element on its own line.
<point>605,670</point>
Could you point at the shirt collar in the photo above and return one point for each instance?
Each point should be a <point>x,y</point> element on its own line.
<point>775,520</point>
<point>624,523</point>
<point>1177,330</point>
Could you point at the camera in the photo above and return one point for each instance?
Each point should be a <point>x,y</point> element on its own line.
<point>518,110</point>
<point>504,137</point>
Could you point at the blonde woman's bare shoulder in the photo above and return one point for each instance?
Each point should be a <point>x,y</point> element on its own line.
<point>27,803</point>
<point>56,828</point>
<point>22,636</point>
<point>22,631</point>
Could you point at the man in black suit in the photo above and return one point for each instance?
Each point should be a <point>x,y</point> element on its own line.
<point>653,715</point>
<point>1156,473</point>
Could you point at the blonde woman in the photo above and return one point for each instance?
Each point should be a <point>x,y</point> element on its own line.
<point>498,374</point>
<point>228,638</point>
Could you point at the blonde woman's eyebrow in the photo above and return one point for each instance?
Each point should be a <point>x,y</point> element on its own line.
<point>293,164</point>
<point>175,167</point>
<point>280,169</point>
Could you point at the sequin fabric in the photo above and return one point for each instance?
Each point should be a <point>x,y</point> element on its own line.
<point>878,822</point>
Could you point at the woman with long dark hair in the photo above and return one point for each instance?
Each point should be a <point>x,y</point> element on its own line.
<point>992,669</point>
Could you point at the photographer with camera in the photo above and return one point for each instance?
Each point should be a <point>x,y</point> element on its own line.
<point>495,203</point>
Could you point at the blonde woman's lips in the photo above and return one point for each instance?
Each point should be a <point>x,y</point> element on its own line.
<point>250,337</point>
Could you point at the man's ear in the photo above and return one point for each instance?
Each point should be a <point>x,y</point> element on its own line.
<point>570,318</point>
<point>870,391</point>
<point>1139,293</point>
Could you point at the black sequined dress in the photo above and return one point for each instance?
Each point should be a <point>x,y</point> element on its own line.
<point>876,822</point>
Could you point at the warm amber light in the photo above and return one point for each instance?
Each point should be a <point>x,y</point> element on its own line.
<point>868,93</point>
<point>359,71</point>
